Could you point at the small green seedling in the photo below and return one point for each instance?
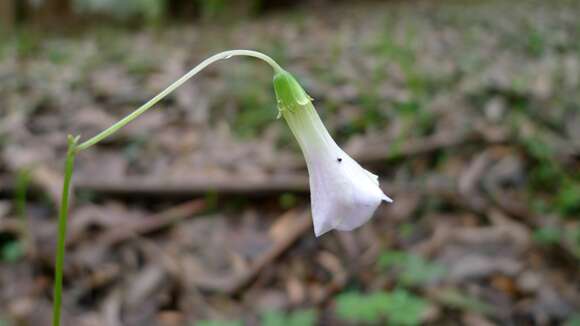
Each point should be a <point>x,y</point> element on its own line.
<point>411,269</point>
<point>399,307</point>
<point>295,318</point>
<point>219,323</point>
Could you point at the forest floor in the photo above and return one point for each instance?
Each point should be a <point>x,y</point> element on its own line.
<point>198,212</point>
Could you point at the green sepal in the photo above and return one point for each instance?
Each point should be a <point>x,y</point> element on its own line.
<point>289,94</point>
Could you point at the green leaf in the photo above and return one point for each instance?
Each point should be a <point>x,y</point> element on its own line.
<point>458,300</point>
<point>405,308</point>
<point>547,235</point>
<point>357,307</point>
<point>399,307</point>
<point>392,259</point>
<point>219,323</point>
<point>573,321</point>
<point>411,269</point>
<point>568,199</point>
<point>296,318</point>
<point>303,318</point>
<point>12,251</point>
<point>273,318</point>
<point>406,230</point>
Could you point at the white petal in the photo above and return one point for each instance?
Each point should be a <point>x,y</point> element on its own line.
<point>373,177</point>
<point>342,194</point>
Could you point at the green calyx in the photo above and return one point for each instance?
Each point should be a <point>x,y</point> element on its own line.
<point>289,94</point>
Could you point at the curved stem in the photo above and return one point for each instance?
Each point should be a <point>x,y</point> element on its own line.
<point>74,147</point>
<point>220,56</point>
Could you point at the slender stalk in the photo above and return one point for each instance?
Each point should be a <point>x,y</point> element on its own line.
<point>22,183</point>
<point>62,223</point>
<point>220,56</point>
<point>74,147</point>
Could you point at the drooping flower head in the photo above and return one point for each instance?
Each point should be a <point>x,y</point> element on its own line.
<point>343,194</point>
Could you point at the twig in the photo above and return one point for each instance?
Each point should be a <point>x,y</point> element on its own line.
<point>236,185</point>
<point>302,224</point>
<point>148,224</point>
<point>295,183</point>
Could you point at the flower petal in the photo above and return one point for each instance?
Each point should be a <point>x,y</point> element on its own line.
<point>343,194</point>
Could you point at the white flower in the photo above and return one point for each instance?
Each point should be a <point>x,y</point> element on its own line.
<point>343,194</point>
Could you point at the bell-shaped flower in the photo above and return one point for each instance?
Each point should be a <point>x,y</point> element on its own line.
<point>343,194</point>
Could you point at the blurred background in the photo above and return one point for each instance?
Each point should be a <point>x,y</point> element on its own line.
<point>197,213</point>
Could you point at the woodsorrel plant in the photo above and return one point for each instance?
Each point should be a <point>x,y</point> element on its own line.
<point>343,194</point>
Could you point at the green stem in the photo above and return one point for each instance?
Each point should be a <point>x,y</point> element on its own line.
<point>220,56</point>
<point>62,223</point>
<point>22,182</point>
<point>74,147</point>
